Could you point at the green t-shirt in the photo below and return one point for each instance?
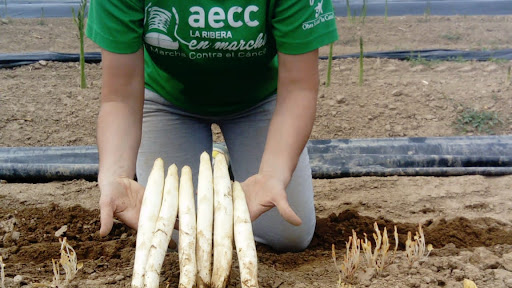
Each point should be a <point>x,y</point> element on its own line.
<point>212,57</point>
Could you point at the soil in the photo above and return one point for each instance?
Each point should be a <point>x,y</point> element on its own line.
<point>467,219</point>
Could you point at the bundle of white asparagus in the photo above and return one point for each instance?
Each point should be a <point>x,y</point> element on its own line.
<point>222,215</point>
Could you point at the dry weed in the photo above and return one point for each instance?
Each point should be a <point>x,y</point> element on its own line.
<point>56,274</point>
<point>379,258</point>
<point>343,285</point>
<point>2,274</point>
<point>350,263</point>
<point>69,263</point>
<point>417,250</point>
<point>68,260</point>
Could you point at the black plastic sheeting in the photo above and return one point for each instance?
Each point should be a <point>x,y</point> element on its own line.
<point>436,156</point>
<point>9,60</point>
<point>14,60</point>
<point>437,54</point>
<point>420,7</point>
<point>336,158</point>
<point>44,164</point>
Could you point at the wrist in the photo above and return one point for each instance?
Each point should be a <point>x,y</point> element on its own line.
<point>108,178</point>
<point>277,166</point>
<point>276,175</point>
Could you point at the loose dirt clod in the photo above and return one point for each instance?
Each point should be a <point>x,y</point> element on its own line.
<point>469,284</point>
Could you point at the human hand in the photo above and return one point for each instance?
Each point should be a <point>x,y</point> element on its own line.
<point>263,192</point>
<point>122,198</point>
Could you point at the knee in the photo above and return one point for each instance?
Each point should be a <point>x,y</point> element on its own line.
<point>296,239</point>
<point>289,244</point>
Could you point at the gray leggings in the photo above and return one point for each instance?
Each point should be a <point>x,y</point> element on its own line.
<point>180,137</point>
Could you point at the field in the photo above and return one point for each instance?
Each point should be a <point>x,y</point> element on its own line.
<point>467,219</point>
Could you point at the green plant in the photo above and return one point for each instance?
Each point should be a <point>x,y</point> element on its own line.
<point>41,19</point>
<point>361,54</point>
<point>362,16</point>
<point>473,120</point>
<point>427,11</point>
<point>349,13</point>
<point>418,60</point>
<point>329,66</point>
<point>458,59</point>
<point>80,23</point>
<point>5,8</point>
<point>509,73</point>
<point>452,36</point>
<point>497,60</point>
<point>386,11</point>
<point>352,16</point>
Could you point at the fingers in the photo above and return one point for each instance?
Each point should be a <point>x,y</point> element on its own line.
<point>275,197</point>
<point>282,205</point>
<point>254,213</point>
<point>106,219</point>
<point>287,212</point>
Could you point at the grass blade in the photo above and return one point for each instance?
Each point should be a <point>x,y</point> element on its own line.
<point>329,66</point>
<point>361,69</point>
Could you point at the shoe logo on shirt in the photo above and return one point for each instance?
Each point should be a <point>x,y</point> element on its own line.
<point>159,21</point>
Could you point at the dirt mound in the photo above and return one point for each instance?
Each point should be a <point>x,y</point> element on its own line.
<point>460,231</point>
<point>32,236</point>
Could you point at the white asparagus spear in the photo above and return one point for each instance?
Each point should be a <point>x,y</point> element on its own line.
<point>187,233</point>
<point>223,223</point>
<point>244,239</point>
<point>149,211</point>
<point>163,229</point>
<point>204,222</point>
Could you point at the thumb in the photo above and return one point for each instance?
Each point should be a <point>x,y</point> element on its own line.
<point>287,212</point>
<point>106,220</point>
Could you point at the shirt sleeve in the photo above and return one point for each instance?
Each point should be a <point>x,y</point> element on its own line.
<point>301,26</point>
<point>116,25</point>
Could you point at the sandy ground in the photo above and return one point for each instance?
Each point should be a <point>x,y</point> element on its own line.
<point>468,219</point>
